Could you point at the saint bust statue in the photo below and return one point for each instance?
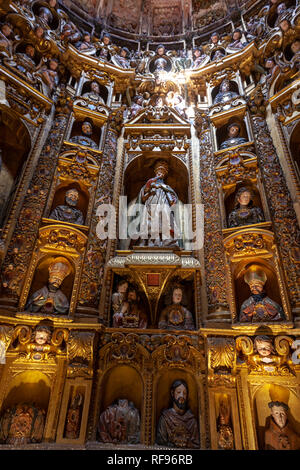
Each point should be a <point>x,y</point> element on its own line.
<point>85,139</point>
<point>94,93</point>
<point>259,307</point>
<point>177,426</point>
<point>175,316</point>
<point>157,198</point>
<point>224,93</point>
<point>244,212</point>
<point>233,136</point>
<point>279,435</point>
<point>120,423</point>
<point>68,212</point>
<point>50,299</point>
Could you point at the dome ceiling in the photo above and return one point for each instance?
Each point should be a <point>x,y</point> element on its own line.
<point>159,18</point>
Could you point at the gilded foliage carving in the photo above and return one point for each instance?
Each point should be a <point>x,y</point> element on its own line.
<point>80,347</point>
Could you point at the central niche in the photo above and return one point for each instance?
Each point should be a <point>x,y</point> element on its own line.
<point>143,185</point>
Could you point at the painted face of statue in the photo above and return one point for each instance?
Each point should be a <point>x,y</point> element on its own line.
<point>87,128</point>
<point>180,396</point>
<point>284,26</point>
<point>122,288</point>
<point>72,197</point>
<point>177,296</point>
<point>29,51</point>
<point>214,39</point>
<point>132,297</point>
<point>225,86</point>
<point>264,348</point>
<point>41,337</point>
<point>279,415</point>
<point>53,65</point>
<point>106,40</point>
<point>256,286</point>
<point>95,88</point>
<point>233,131</point>
<point>295,47</point>
<point>236,36</point>
<point>244,198</point>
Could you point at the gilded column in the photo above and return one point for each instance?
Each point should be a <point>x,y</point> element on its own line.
<point>98,251</point>
<point>214,254</point>
<point>23,240</point>
<point>287,233</point>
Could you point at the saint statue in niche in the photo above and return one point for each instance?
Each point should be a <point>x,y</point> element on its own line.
<point>224,428</point>
<point>177,426</point>
<point>85,139</point>
<point>120,423</point>
<point>22,424</point>
<point>224,93</point>
<point>233,136</point>
<point>157,198</point>
<point>280,435</point>
<point>175,316</point>
<point>94,93</point>
<point>129,312</point>
<point>68,212</point>
<point>50,299</point>
<point>244,212</point>
<point>259,307</point>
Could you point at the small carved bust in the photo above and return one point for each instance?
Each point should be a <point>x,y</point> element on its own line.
<point>280,435</point>
<point>94,93</point>
<point>175,316</point>
<point>233,131</point>
<point>68,211</point>
<point>237,40</point>
<point>85,139</point>
<point>224,93</point>
<point>244,212</point>
<point>120,423</point>
<point>199,57</point>
<point>177,426</point>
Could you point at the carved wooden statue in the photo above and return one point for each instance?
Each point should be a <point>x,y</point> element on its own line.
<point>22,424</point>
<point>177,426</point>
<point>120,423</point>
<point>175,316</point>
<point>245,213</point>
<point>85,139</point>
<point>157,198</point>
<point>50,299</point>
<point>68,212</point>
<point>279,435</point>
<point>259,307</point>
<point>233,136</point>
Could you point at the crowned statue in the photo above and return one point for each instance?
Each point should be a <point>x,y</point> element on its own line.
<point>259,307</point>
<point>50,299</point>
<point>245,213</point>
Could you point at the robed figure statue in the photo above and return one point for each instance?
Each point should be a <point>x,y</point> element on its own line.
<point>157,223</point>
